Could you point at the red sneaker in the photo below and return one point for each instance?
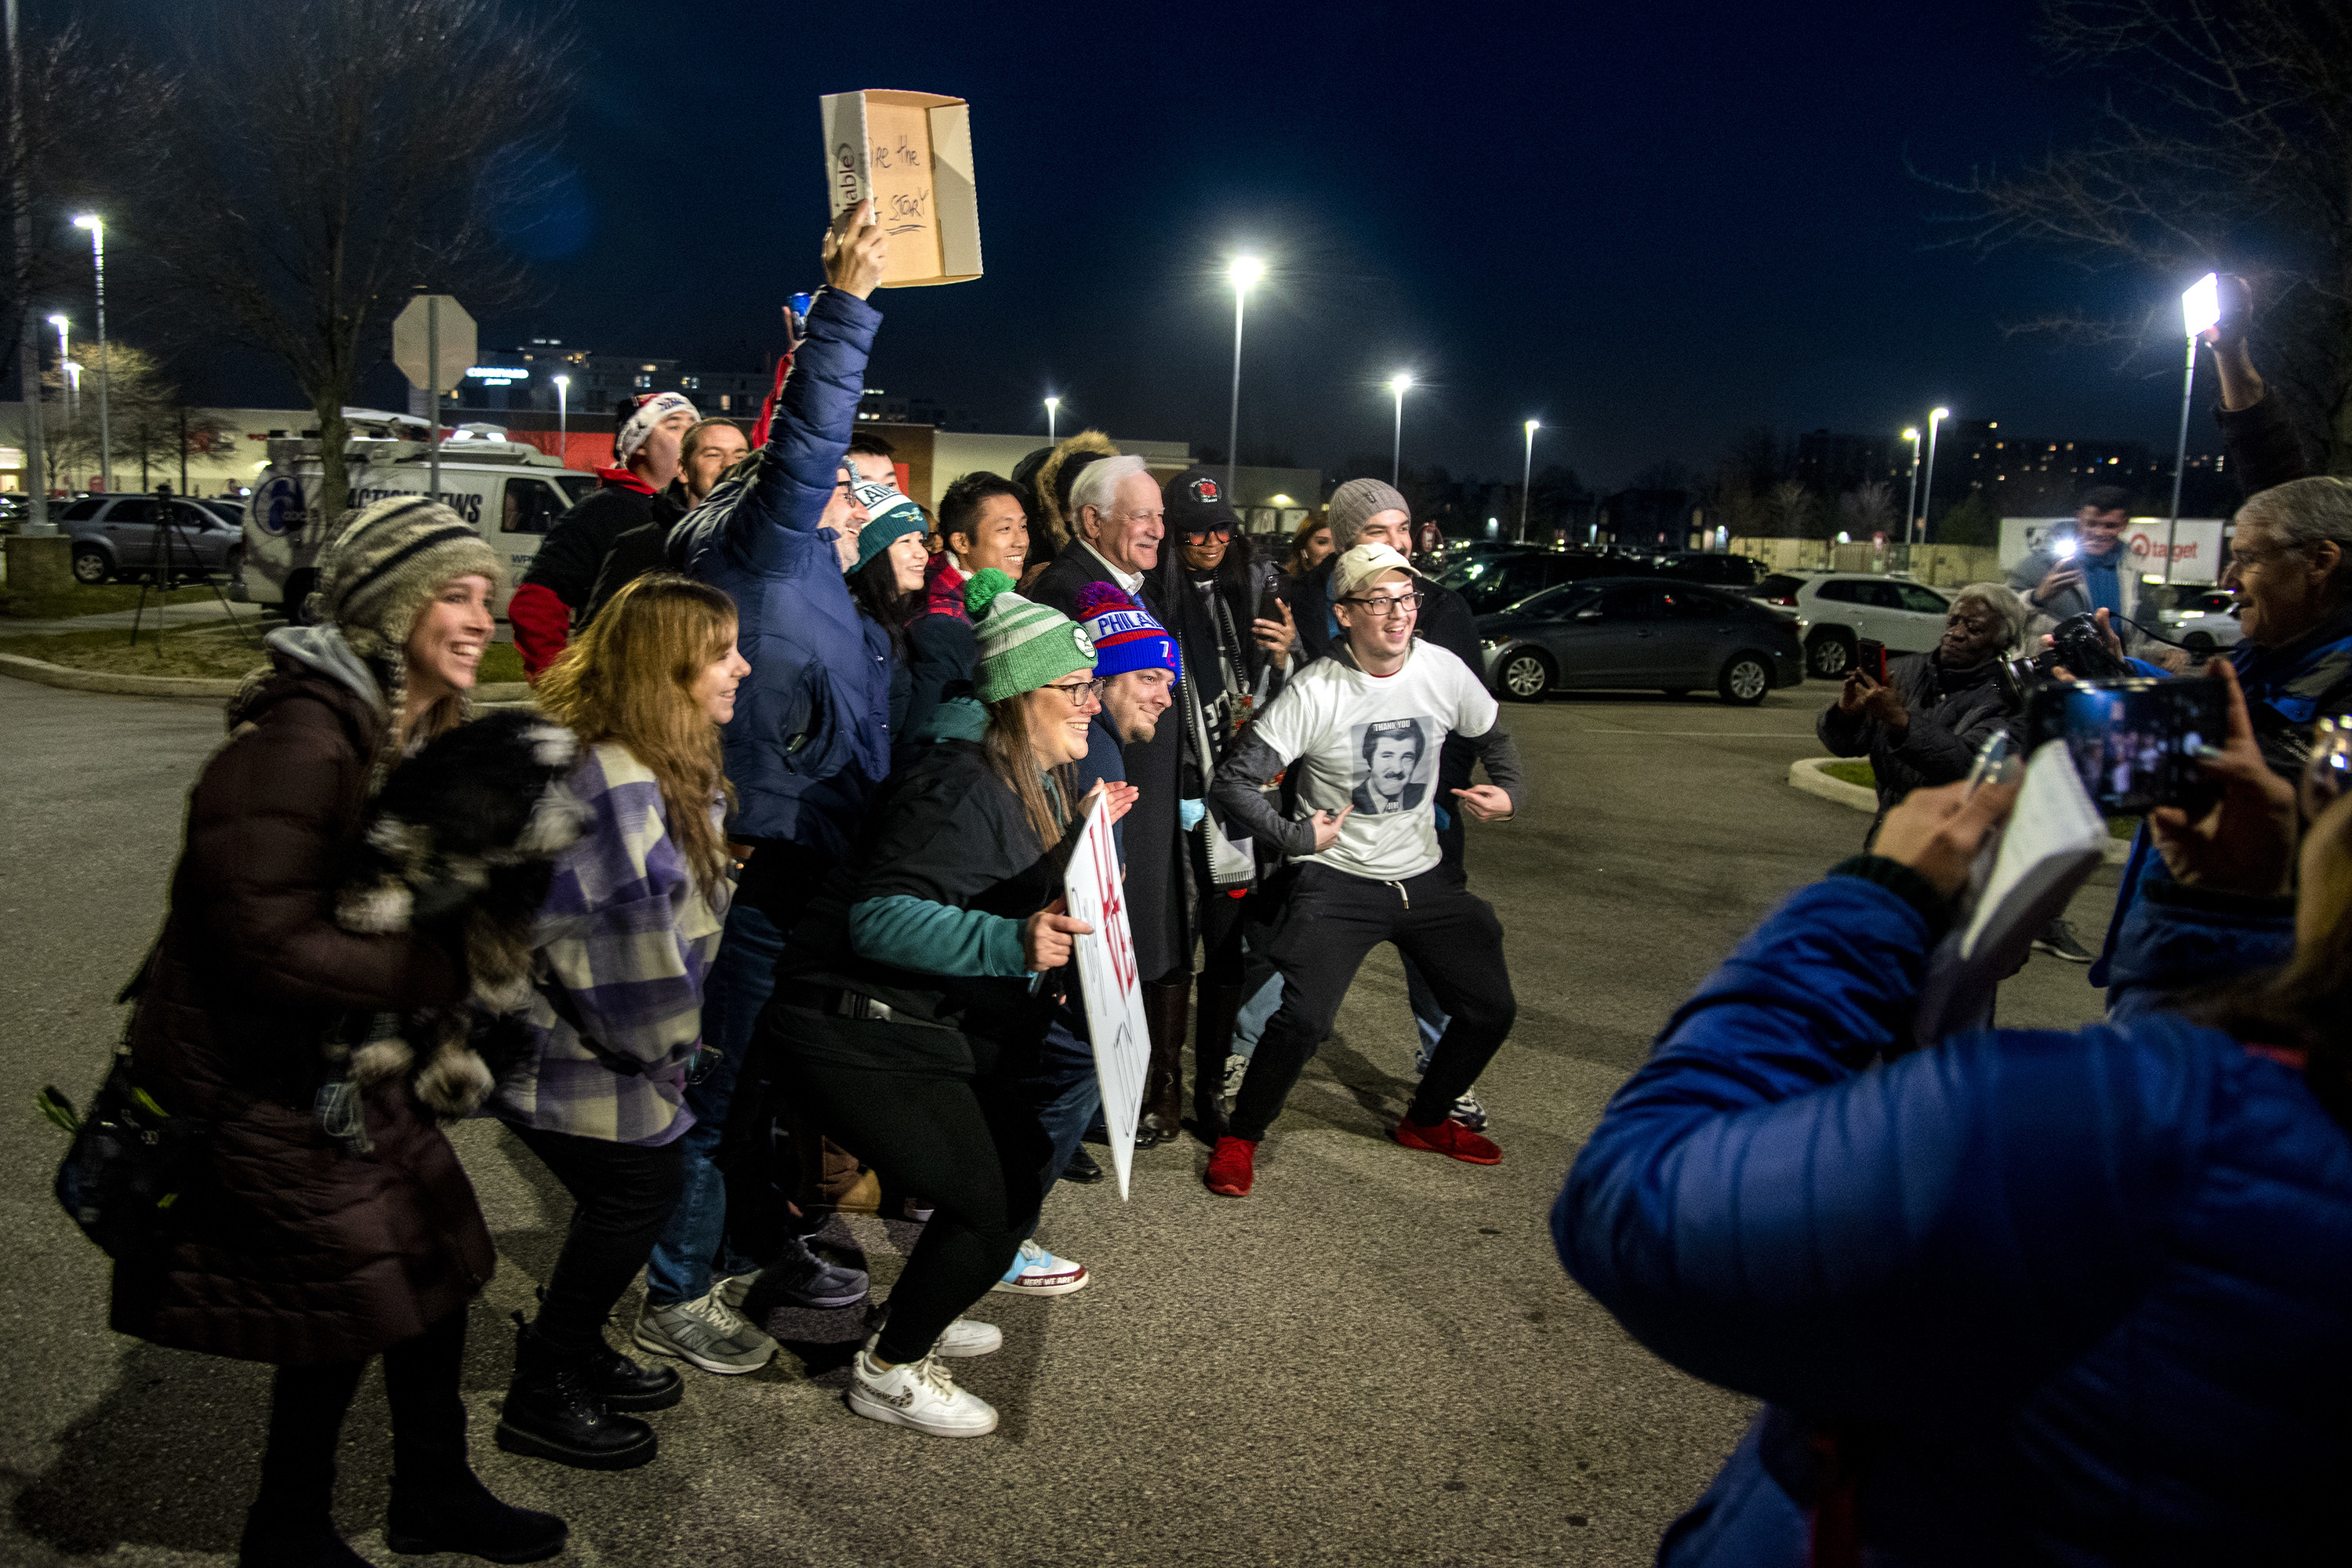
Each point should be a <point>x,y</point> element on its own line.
<point>1447,1138</point>
<point>1232,1167</point>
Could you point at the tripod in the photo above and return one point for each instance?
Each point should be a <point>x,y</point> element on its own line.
<point>168,529</point>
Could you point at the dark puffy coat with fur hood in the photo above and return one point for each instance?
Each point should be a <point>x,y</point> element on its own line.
<point>288,1248</point>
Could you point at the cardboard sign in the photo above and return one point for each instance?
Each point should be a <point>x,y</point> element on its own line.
<point>2196,545</point>
<point>911,153</point>
<point>1114,990</point>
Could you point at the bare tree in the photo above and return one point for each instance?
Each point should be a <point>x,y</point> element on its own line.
<point>334,155</point>
<point>1867,509</point>
<point>1791,510</point>
<point>2225,144</point>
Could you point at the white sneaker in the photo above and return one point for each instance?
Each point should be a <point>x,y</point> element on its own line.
<point>965,1337</point>
<point>1236,1069</point>
<point>1037,1272</point>
<point>920,1394</point>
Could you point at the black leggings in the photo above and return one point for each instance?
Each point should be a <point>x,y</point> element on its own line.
<point>972,1144</point>
<point>306,1406</point>
<point>1331,922</point>
<point>623,1194</point>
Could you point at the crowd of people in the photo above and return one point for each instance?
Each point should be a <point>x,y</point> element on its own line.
<point>794,920</point>
<point>794,927</point>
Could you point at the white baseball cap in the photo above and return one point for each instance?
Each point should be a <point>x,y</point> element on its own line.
<point>1363,565</point>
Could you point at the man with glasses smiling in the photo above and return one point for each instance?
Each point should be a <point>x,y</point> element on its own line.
<point>1362,878</point>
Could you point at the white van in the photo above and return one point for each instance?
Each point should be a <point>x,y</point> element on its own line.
<point>509,491</point>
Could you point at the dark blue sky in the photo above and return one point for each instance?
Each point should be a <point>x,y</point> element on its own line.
<point>1647,225</point>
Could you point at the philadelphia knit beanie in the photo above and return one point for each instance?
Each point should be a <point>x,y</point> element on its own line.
<point>1023,645</point>
<point>1357,502</point>
<point>378,572</point>
<point>890,516</point>
<point>1125,635</point>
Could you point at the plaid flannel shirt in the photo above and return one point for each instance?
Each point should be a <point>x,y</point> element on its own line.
<point>628,937</point>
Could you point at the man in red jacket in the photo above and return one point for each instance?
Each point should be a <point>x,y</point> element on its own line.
<point>562,576</point>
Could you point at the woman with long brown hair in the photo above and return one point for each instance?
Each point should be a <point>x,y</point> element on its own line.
<point>914,999</point>
<point>625,940</point>
<point>1309,547</point>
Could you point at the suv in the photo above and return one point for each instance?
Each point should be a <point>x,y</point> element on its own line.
<point>1847,607</point>
<point>126,535</point>
<point>1737,572</point>
<point>2205,620</point>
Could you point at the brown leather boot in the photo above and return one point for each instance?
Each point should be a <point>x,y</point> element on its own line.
<point>1213,1040</point>
<point>1165,1009</point>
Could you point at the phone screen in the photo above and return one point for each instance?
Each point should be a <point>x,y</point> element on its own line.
<point>1870,657</point>
<point>1269,607</point>
<point>2135,742</point>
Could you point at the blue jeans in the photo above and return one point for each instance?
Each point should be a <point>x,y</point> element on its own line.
<point>742,975</point>
<point>1068,1095</point>
<point>1427,1016</point>
<point>1252,1022</point>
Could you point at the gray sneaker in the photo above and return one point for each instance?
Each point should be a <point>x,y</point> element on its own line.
<point>800,1277</point>
<point>707,1333</point>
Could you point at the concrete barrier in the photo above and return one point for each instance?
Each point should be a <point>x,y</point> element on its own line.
<point>1810,774</point>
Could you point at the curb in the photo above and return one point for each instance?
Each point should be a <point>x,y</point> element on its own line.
<point>110,683</point>
<point>1806,774</point>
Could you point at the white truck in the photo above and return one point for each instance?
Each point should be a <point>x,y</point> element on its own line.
<point>509,491</point>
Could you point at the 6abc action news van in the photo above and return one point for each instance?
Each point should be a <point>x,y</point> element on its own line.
<point>509,491</point>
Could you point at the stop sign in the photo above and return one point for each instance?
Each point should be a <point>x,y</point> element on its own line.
<point>439,318</point>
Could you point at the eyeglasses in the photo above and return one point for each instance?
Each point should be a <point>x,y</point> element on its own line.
<point>1385,606</point>
<point>1191,533</point>
<point>1082,693</point>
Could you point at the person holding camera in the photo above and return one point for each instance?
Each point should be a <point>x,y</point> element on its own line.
<point>2085,567</point>
<point>2019,1297</point>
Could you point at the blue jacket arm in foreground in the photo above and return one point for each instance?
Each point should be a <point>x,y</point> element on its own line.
<point>1921,1241</point>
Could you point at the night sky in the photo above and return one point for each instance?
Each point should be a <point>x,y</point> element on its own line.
<point>1647,225</point>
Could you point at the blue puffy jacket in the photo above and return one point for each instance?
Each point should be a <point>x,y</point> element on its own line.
<point>811,736</point>
<point>2054,1299</point>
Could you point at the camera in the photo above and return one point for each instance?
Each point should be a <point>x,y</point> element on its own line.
<point>2075,646</point>
<point>2134,742</point>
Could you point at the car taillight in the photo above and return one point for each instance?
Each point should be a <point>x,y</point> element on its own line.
<point>1788,599</point>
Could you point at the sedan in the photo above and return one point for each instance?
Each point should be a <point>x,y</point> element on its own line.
<point>1496,582</point>
<point>1641,632</point>
<point>2204,621</point>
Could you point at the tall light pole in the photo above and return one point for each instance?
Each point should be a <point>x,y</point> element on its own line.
<point>1927,502</point>
<point>65,377</point>
<point>1911,511</point>
<point>1052,408</point>
<point>1244,271</point>
<point>1398,384</point>
<point>1526,469</point>
<point>563,420</point>
<point>28,351</point>
<point>2201,307</point>
<point>97,226</point>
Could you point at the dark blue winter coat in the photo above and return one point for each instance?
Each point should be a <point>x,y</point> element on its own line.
<point>2075,1299</point>
<point>811,736</point>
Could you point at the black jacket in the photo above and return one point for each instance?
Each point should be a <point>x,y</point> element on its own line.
<point>2263,447</point>
<point>1951,715</point>
<point>639,551</point>
<point>574,552</point>
<point>945,829</point>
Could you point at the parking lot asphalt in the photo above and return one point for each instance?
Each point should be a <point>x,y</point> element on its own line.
<point>1374,1358</point>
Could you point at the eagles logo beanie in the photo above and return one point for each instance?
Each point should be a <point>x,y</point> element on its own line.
<point>1023,645</point>
<point>889,516</point>
<point>1123,633</point>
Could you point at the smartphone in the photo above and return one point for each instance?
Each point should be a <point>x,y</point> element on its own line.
<point>1870,658</point>
<point>2134,742</point>
<point>1269,607</point>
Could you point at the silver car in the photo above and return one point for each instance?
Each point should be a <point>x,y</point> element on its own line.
<point>128,535</point>
<point>2204,621</point>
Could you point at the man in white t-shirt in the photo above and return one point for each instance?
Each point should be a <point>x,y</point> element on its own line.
<point>1359,732</point>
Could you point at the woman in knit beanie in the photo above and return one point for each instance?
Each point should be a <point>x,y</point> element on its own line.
<point>309,1237</point>
<point>913,1001</point>
<point>886,579</point>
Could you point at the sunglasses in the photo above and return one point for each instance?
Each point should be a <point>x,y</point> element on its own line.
<point>1191,533</point>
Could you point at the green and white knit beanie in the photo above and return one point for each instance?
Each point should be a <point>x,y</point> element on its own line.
<point>1023,645</point>
<point>381,570</point>
<point>889,516</point>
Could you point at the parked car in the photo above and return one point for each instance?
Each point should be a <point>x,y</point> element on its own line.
<point>1493,583</point>
<point>1843,607</point>
<point>2203,622</point>
<point>1640,631</point>
<point>120,535</point>
<point>1739,572</point>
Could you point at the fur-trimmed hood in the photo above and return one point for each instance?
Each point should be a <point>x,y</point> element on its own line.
<point>1059,527</point>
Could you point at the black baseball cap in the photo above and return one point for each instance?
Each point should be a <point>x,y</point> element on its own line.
<point>1196,503</point>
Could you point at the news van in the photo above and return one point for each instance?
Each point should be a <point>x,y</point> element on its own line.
<point>510,491</point>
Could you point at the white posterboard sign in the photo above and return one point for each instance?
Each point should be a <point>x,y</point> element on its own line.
<point>1114,991</point>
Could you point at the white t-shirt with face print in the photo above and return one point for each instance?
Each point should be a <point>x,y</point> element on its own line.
<point>1371,741</point>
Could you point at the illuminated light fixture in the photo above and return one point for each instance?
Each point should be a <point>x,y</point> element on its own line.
<point>2200,304</point>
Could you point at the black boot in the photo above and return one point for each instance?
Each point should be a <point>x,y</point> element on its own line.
<point>275,1540</point>
<point>625,1385</point>
<point>450,1509</point>
<point>553,1412</point>
<point>1212,1037</point>
<point>289,1524</point>
<point>1165,1008</point>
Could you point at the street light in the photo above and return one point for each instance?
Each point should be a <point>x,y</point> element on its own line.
<point>1052,409</point>
<point>1398,384</point>
<point>97,226</point>
<point>1927,502</point>
<point>2200,308</point>
<point>65,331</point>
<point>1243,270</point>
<point>1911,511</point>
<point>563,420</point>
<point>1526,467</point>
